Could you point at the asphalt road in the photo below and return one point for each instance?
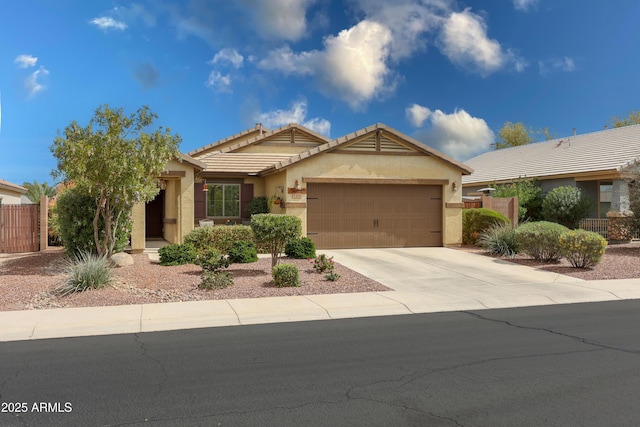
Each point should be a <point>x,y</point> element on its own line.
<point>558,365</point>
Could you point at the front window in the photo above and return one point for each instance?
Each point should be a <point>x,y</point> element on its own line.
<point>606,189</point>
<point>223,200</point>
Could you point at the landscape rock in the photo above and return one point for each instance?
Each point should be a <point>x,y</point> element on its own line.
<point>122,259</point>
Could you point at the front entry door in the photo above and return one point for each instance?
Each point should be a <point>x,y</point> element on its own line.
<point>154,214</point>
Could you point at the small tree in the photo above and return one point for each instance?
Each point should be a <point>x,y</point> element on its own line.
<point>115,161</point>
<point>516,134</point>
<point>35,191</point>
<point>274,231</point>
<point>565,205</point>
<point>633,118</point>
<point>529,197</point>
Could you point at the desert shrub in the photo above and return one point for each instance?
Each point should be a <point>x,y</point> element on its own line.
<point>243,252</point>
<point>211,259</point>
<point>541,240</point>
<point>477,220</point>
<point>285,275</point>
<point>75,212</point>
<point>332,276</point>
<point>582,248</point>
<point>215,280</point>
<point>300,248</point>
<point>84,271</point>
<point>322,264</point>
<point>275,231</point>
<point>500,240</point>
<point>565,205</point>
<point>218,237</point>
<point>177,254</point>
<point>258,205</point>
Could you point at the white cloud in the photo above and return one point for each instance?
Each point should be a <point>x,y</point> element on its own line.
<point>288,62</point>
<point>32,83</point>
<point>228,55</point>
<point>280,19</point>
<point>408,21</point>
<point>26,61</point>
<point>524,5</point>
<point>417,114</point>
<point>465,42</point>
<point>458,134</point>
<point>296,114</point>
<point>556,64</point>
<point>352,66</point>
<point>219,82</point>
<point>107,23</point>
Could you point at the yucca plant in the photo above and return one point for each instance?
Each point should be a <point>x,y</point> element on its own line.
<point>500,240</point>
<point>85,271</point>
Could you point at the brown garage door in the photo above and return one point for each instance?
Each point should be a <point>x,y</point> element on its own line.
<point>374,215</point>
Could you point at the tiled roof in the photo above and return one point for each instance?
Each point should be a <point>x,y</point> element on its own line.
<point>246,132</point>
<point>11,186</point>
<point>240,163</point>
<point>607,150</point>
<point>268,134</point>
<point>379,126</point>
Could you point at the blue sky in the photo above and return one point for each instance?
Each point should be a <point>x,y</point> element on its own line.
<point>449,73</point>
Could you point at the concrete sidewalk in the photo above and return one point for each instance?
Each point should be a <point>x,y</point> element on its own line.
<point>425,280</point>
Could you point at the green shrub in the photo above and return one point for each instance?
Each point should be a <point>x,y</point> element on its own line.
<point>500,240</point>
<point>477,220</point>
<point>274,231</point>
<point>75,211</point>
<point>243,252</point>
<point>541,240</point>
<point>300,248</point>
<point>85,271</point>
<point>215,280</point>
<point>582,248</point>
<point>565,205</point>
<point>258,205</point>
<point>321,264</point>
<point>332,276</point>
<point>222,238</point>
<point>177,254</point>
<point>285,275</point>
<point>212,260</point>
<point>529,197</point>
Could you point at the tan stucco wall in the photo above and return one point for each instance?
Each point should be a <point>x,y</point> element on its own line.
<point>179,206</point>
<point>334,165</point>
<point>10,197</point>
<point>275,185</point>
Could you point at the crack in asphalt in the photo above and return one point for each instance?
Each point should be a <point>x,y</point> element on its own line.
<point>143,348</point>
<point>551,331</point>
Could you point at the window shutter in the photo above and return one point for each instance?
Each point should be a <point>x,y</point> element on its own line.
<point>199,201</point>
<point>246,196</point>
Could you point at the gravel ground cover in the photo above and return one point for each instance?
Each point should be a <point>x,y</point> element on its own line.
<point>27,281</point>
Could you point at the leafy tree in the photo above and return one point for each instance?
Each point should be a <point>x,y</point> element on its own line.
<point>36,190</point>
<point>632,119</point>
<point>116,161</point>
<point>529,197</point>
<point>516,134</point>
<point>565,205</point>
<point>274,231</point>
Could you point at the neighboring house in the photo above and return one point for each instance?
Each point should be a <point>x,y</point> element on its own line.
<point>594,162</point>
<point>12,194</point>
<point>375,187</point>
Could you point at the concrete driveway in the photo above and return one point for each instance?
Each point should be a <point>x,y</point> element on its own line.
<point>454,278</point>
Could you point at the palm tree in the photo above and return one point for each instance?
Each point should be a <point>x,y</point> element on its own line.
<point>37,190</point>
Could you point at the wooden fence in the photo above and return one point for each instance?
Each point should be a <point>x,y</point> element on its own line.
<point>19,228</point>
